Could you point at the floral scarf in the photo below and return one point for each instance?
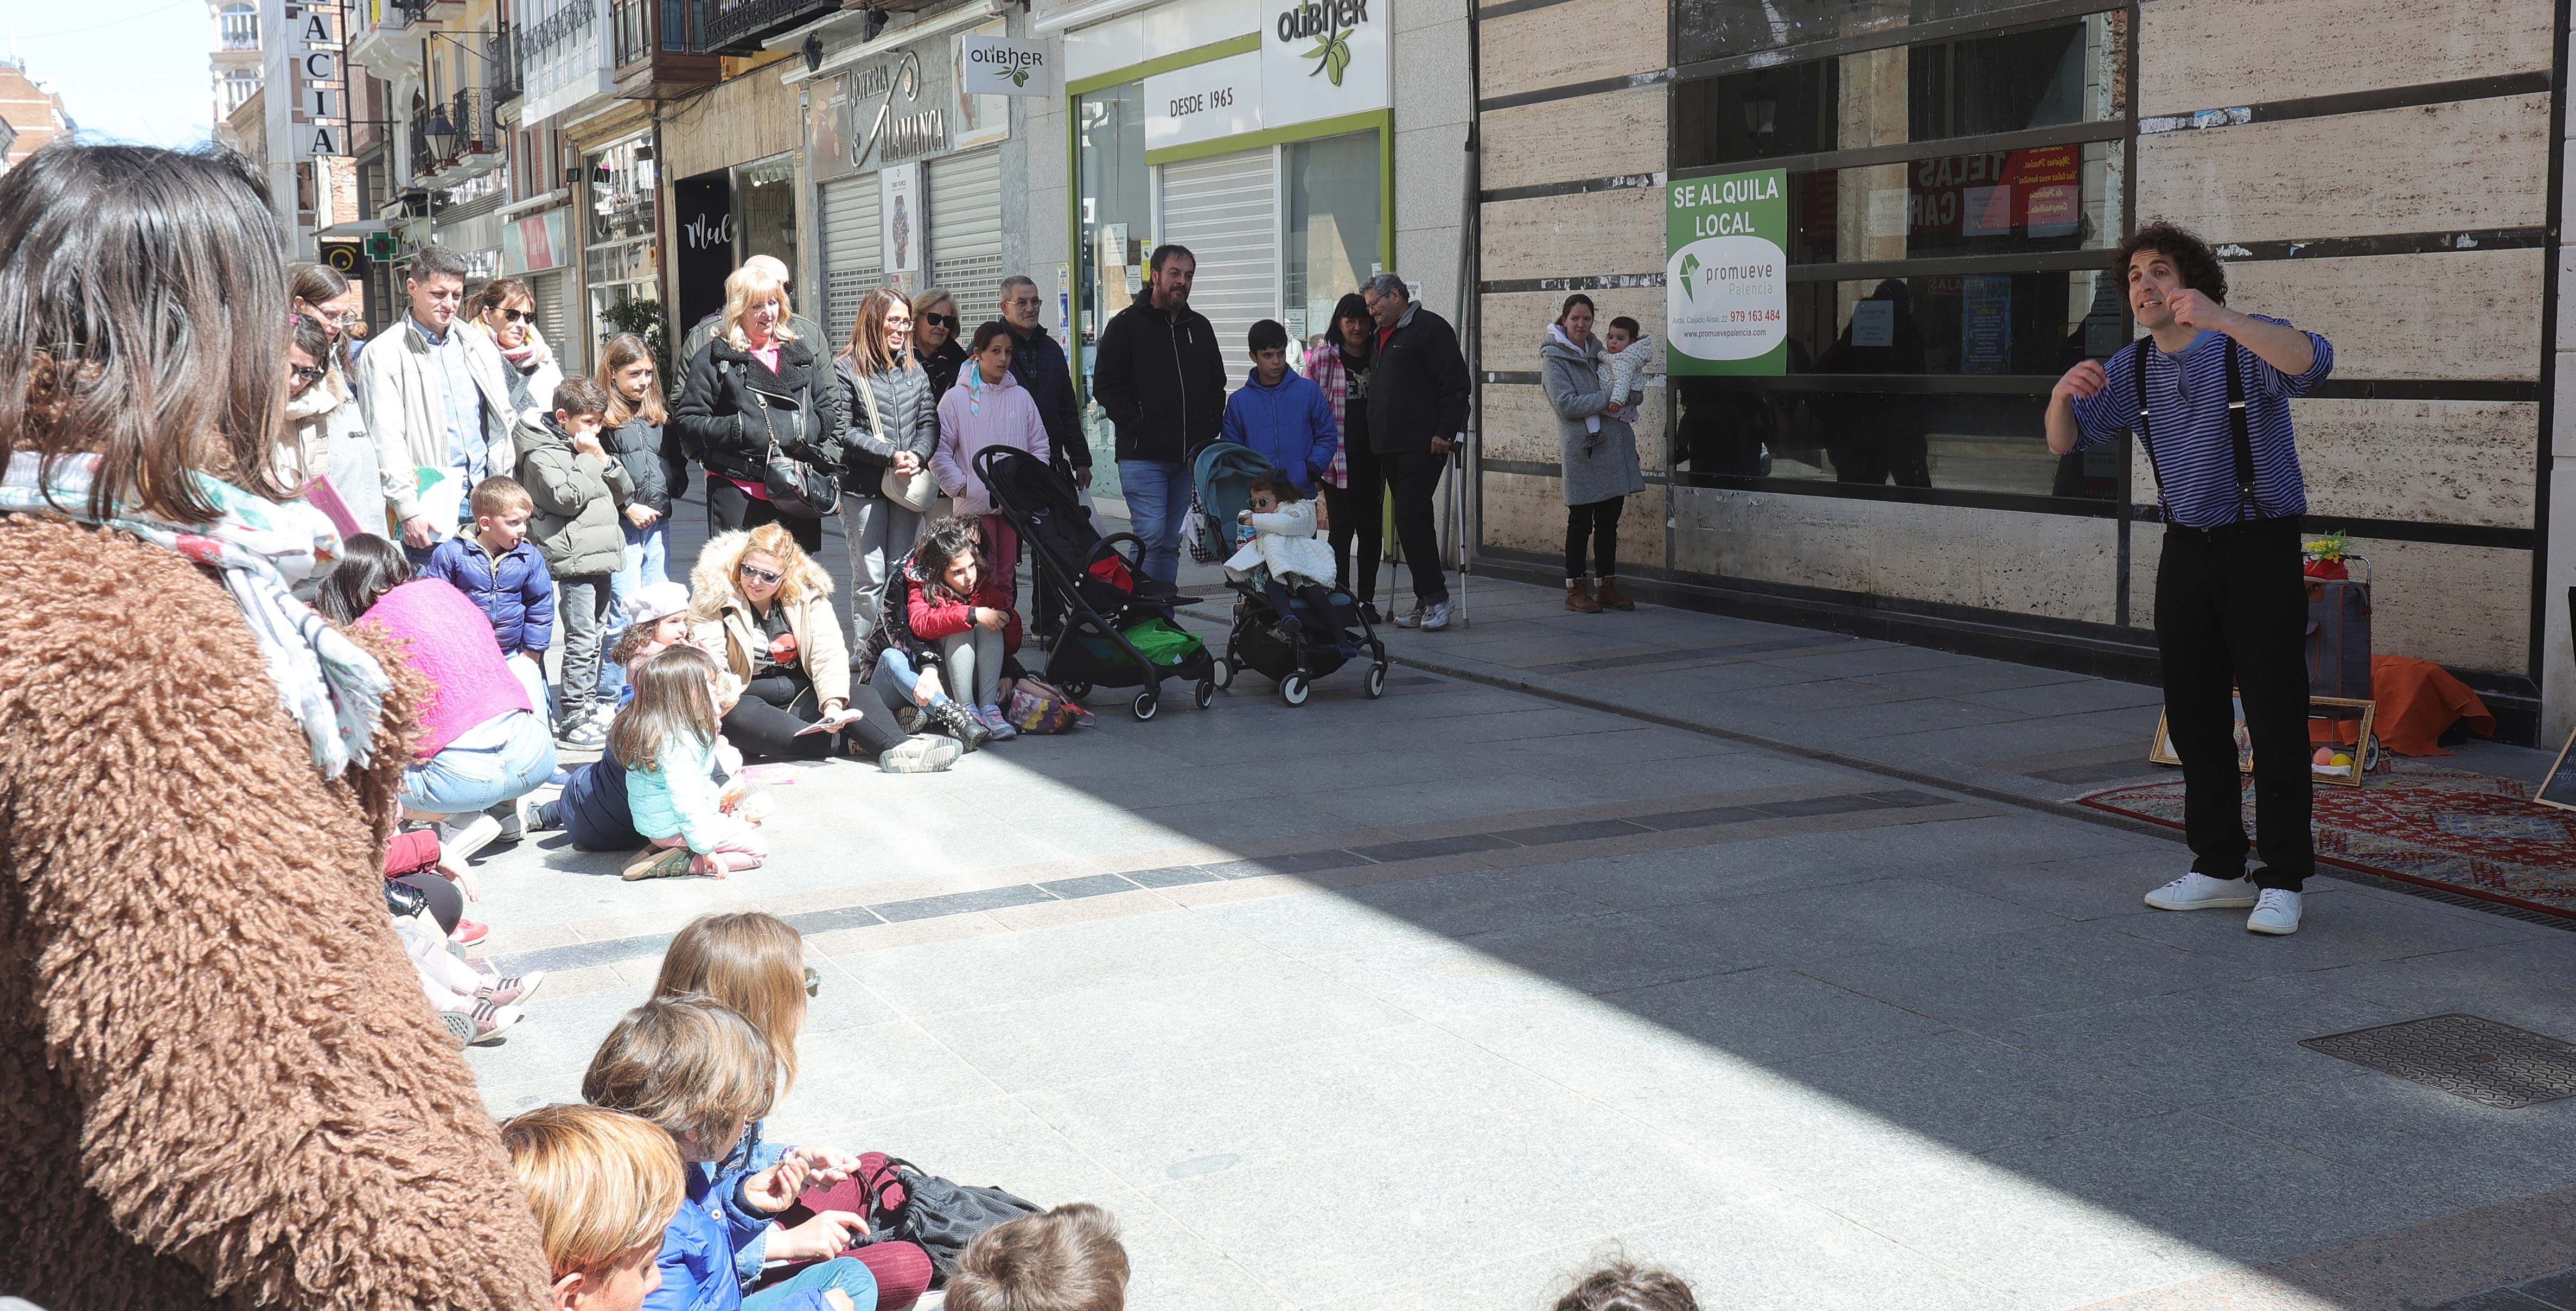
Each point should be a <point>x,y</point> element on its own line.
<point>328,685</point>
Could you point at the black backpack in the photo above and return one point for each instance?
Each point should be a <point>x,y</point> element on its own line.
<point>941,1215</point>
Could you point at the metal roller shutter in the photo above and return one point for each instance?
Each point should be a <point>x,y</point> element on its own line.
<point>1226,210</point>
<point>555,324</point>
<point>853,252</point>
<point>966,232</point>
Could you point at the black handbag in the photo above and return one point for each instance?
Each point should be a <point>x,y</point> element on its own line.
<point>798,489</point>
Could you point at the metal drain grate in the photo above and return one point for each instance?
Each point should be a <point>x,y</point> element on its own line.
<point>2467,1056</point>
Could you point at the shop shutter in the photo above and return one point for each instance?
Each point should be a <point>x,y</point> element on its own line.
<point>853,252</point>
<point>966,233</point>
<point>1226,210</point>
<point>549,290</point>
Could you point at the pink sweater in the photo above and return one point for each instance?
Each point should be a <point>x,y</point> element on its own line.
<point>972,418</point>
<point>451,644</point>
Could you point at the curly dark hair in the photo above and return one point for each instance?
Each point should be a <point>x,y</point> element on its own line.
<point>1621,1286</point>
<point>2192,257</point>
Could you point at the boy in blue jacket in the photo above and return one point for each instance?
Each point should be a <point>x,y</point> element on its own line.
<point>1280,414</point>
<point>504,574</point>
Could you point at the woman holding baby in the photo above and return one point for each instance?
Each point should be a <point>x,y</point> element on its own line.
<point>1593,382</point>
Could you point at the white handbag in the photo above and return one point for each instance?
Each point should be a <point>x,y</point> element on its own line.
<point>913,493</point>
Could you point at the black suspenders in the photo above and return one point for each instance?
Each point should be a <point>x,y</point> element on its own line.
<point>2236,425</point>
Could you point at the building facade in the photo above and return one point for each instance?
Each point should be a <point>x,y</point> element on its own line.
<point>235,63</point>
<point>1950,189</point>
<point>34,114</point>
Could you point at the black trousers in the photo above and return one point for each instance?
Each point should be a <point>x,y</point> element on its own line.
<point>2231,611</point>
<point>1318,612</point>
<point>730,507</point>
<point>1414,476</point>
<point>765,723</point>
<point>1597,521</point>
<point>1358,517</point>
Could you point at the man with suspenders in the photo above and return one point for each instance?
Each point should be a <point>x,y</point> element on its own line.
<point>2207,392</point>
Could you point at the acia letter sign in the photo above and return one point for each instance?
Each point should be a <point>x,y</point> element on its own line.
<point>1726,274</point>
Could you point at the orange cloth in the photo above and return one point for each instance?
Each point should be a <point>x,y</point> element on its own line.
<point>2418,701</point>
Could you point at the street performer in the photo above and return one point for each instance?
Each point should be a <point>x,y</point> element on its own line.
<point>2207,391</point>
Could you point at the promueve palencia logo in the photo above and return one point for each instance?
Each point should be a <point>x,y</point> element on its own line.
<point>1330,22</point>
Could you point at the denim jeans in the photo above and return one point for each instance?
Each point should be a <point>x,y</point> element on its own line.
<point>500,759</point>
<point>647,554</point>
<point>1158,499</point>
<point>841,1272</point>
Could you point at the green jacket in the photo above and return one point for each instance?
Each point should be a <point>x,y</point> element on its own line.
<point>578,496</point>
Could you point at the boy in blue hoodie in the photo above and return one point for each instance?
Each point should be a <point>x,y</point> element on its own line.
<point>1280,414</point>
<point>504,575</point>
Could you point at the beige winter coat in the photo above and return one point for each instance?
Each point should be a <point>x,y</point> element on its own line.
<point>721,620</point>
<point>398,394</point>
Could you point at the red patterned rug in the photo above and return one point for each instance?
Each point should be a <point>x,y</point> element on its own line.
<point>2445,828</point>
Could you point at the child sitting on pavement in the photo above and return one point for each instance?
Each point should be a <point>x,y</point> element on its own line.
<point>1285,557</point>
<point>577,486</point>
<point>504,574</point>
<point>1627,357</point>
<point>667,737</point>
<point>943,613</point>
<point>1065,1259</point>
<point>604,1186</point>
<point>699,1070</point>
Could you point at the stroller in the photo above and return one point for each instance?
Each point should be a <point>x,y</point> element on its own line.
<point>1114,632</point>
<point>1224,472</point>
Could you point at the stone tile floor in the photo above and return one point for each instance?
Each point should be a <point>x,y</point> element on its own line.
<point>1690,998</point>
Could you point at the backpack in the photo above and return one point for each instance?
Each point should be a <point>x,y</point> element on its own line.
<point>941,1215</point>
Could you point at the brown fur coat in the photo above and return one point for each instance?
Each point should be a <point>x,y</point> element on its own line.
<point>220,1084</point>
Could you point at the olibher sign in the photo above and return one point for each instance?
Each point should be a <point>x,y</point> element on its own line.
<point>1318,60</point>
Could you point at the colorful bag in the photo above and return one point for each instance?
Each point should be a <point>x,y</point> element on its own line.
<point>1037,707</point>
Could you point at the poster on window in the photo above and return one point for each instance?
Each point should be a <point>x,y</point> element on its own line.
<point>899,209</point>
<point>1726,276</point>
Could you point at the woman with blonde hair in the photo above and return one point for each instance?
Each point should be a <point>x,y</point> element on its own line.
<point>894,425</point>
<point>505,314</point>
<point>604,1185</point>
<point>764,608</point>
<point>755,963</point>
<point>935,330</point>
<point>755,387</point>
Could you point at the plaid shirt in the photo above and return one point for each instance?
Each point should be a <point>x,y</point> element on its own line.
<point>1324,367</point>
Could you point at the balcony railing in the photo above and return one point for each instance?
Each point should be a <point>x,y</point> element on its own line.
<point>658,48</point>
<point>501,59</point>
<point>473,113</point>
<point>543,35</point>
<point>423,161</point>
<point>739,28</point>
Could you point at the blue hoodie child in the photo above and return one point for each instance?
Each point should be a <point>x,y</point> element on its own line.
<point>1290,422</point>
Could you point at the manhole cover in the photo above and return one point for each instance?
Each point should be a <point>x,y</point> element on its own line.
<point>2467,1056</point>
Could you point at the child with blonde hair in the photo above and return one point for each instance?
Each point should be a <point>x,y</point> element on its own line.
<point>604,1185</point>
<point>702,1073</point>
<point>1065,1259</point>
<point>666,736</point>
<point>755,963</point>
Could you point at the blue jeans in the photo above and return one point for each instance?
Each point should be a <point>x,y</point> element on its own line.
<point>895,678</point>
<point>501,759</point>
<point>648,552</point>
<point>1158,499</point>
<point>840,1272</point>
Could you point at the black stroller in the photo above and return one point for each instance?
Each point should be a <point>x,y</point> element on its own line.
<point>1114,632</point>
<point>1223,473</point>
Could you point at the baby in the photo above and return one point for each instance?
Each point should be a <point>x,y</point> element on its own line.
<point>1285,559</point>
<point>1627,356</point>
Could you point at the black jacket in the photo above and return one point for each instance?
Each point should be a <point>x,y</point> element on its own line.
<point>1040,366</point>
<point>1162,381</point>
<point>651,454</point>
<point>1418,385</point>
<point>723,423</point>
<point>942,366</point>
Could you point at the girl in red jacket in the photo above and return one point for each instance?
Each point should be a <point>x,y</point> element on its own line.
<point>943,611</point>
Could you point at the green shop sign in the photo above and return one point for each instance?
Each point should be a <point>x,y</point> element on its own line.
<point>1726,274</point>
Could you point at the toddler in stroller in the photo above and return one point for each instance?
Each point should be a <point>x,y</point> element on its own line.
<point>1283,558</point>
<point>1288,624</point>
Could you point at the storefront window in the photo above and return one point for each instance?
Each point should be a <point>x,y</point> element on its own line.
<point>1717,29</point>
<point>1334,238</point>
<point>620,225</point>
<point>1934,297</point>
<point>1115,225</point>
<point>764,210</point>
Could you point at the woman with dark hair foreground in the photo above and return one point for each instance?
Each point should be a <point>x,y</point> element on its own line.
<point>216,1064</point>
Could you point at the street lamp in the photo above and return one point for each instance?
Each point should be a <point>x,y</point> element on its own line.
<point>441,133</point>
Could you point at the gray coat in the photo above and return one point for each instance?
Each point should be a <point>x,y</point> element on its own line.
<point>911,417</point>
<point>1574,388</point>
<point>577,496</point>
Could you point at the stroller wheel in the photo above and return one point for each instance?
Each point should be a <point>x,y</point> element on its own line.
<point>1294,688</point>
<point>1207,691</point>
<point>1220,674</point>
<point>1144,705</point>
<point>1375,687</point>
<point>1077,689</point>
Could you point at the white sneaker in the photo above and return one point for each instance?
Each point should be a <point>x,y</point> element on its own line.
<point>922,753</point>
<point>2277,913</point>
<point>458,843</point>
<point>2201,892</point>
<point>1410,619</point>
<point>1435,618</point>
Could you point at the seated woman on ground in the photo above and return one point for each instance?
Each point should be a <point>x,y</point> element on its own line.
<point>941,613</point>
<point>695,1067</point>
<point>667,737</point>
<point>755,963</point>
<point>482,744</point>
<point>765,608</point>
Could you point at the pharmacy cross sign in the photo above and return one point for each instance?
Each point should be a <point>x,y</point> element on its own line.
<point>1330,23</point>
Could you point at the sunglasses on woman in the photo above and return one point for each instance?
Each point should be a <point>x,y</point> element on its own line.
<point>518,316</point>
<point>308,374</point>
<point>939,320</point>
<point>761,576</point>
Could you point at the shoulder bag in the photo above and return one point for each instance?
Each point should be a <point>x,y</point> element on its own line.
<point>798,489</point>
<point>913,493</point>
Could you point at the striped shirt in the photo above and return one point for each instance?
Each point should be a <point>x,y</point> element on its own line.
<point>2189,433</point>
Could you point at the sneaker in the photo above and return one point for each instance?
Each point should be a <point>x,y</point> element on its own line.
<point>460,1026</point>
<point>656,863</point>
<point>545,816</point>
<point>907,719</point>
<point>958,722</point>
<point>584,734</point>
<point>516,817</point>
<point>459,842</point>
<point>490,1020</point>
<point>1411,618</point>
<point>2276,912</point>
<point>512,989</point>
<point>1436,618</point>
<point>922,753</point>
<point>469,932</point>
<point>991,718</point>
<point>2201,892</point>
